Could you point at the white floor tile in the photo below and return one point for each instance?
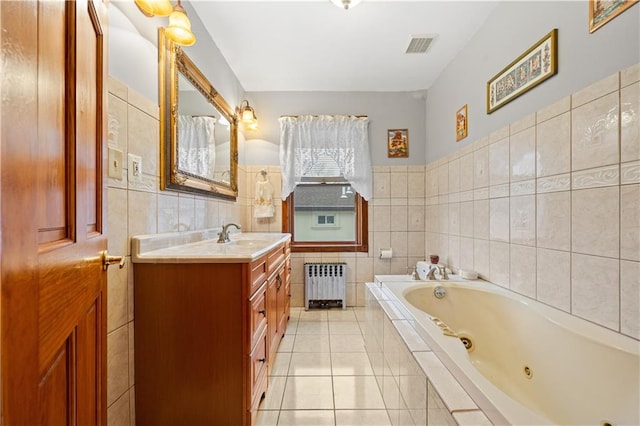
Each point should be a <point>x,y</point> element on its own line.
<point>344,327</point>
<point>312,327</point>
<point>311,343</point>
<point>308,393</point>
<point>267,418</point>
<point>362,418</point>
<point>341,315</point>
<point>351,364</point>
<point>357,392</point>
<point>313,315</point>
<point>347,343</point>
<point>310,364</point>
<point>273,396</point>
<point>281,364</point>
<point>286,344</point>
<point>308,418</point>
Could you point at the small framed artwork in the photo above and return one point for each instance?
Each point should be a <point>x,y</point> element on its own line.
<point>461,123</point>
<point>531,68</point>
<point>602,11</point>
<point>398,143</point>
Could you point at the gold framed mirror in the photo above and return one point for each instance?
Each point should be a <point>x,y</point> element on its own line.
<point>198,129</point>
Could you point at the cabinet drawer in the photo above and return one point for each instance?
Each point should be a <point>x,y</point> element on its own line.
<point>276,257</point>
<point>257,315</point>
<point>257,371</point>
<point>258,272</point>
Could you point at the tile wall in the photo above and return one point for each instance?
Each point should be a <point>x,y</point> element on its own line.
<point>135,209</point>
<point>396,220</point>
<point>549,206</point>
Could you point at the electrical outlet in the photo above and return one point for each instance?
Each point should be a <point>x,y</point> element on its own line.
<point>135,169</point>
<point>115,163</point>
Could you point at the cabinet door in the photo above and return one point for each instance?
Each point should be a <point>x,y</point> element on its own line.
<point>272,319</point>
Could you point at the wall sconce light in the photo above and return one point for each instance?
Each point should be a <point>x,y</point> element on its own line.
<point>248,115</point>
<point>346,4</point>
<point>179,29</point>
<point>151,8</point>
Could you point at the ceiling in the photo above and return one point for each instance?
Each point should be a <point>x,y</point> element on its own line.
<point>312,45</point>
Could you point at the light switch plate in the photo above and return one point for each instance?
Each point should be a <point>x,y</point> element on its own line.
<point>135,168</point>
<point>115,163</point>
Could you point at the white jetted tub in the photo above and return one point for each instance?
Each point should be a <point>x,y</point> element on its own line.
<point>527,363</point>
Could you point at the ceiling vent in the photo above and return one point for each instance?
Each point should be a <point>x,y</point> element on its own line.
<point>420,43</point>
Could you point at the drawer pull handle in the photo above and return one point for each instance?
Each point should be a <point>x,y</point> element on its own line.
<point>263,312</point>
<point>262,360</point>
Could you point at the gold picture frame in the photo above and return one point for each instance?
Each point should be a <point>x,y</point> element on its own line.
<point>531,68</point>
<point>601,12</point>
<point>398,143</point>
<point>462,123</point>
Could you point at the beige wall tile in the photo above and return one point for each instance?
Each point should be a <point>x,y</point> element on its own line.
<point>143,137</point>
<point>416,219</point>
<point>168,213</point>
<point>415,244</point>
<point>522,276</point>
<point>145,105</point>
<point>399,241</point>
<point>630,298</point>
<point>630,222</point>
<point>499,219</point>
<point>443,179</point>
<point>594,130</point>
<point>118,292</point>
<point>364,269</point>
<point>415,182</point>
<point>398,185</point>
<point>187,212</point>
<point>554,220</point>
<point>499,162</point>
<point>499,191</point>
<point>117,364</point>
<point>522,124</point>
<point>554,278</point>
<point>381,218</point>
<point>117,132</point>
<point>499,263</point>
<point>454,176</point>
<point>630,123</point>
<point>399,220</point>
<point>481,258</point>
<point>454,218</point>
<point>131,354</point>
<point>596,90</point>
<point>466,172</point>
<point>523,220</point>
<point>119,413</point>
<point>557,108</point>
<point>630,172</point>
<point>554,183</point>
<point>595,178</point>
<point>432,183</point>
<point>116,87</point>
<point>594,221</point>
<point>553,146</point>
<point>466,219</point>
<point>499,134</point>
<point>142,220</point>
<point>466,253</point>
<point>118,242</point>
<point>522,155</point>
<point>630,75</point>
<point>481,167</point>
<point>595,289</point>
<point>481,219</point>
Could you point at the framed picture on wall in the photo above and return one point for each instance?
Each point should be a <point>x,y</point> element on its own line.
<point>398,143</point>
<point>528,70</point>
<point>602,11</point>
<point>461,123</point>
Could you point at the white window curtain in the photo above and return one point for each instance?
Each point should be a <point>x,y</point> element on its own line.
<point>196,145</point>
<point>305,139</point>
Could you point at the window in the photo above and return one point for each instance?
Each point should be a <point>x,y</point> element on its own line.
<point>326,179</point>
<point>326,217</point>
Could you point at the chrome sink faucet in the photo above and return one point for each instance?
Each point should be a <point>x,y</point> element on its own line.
<point>440,269</point>
<point>223,236</point>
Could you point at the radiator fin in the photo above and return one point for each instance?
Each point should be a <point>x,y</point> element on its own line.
<point>325,284</point>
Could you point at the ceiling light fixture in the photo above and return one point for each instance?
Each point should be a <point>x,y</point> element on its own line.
<point>179,29</point>
<point>346,4</point>
<point>248,115</point>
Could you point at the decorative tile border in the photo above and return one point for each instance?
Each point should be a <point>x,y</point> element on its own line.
<point>481,194</point>
<point>526,187</point>
<point>554,183</point>
<point>630,172</point>
<point>596,178</point>
<point>499,191</point>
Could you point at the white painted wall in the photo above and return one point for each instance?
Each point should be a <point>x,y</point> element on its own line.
<point>510,30</point>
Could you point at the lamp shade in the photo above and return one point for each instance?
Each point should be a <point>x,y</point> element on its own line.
<point>154,7</point>
<point>179,29</point>
<point>248,116</point>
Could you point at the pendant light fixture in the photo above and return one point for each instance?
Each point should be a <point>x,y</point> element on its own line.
<point>152,8</point>
<point>346,4</point>
<point>179,29</point>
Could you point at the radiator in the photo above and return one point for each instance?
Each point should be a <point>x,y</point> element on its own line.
<point>325,285</point>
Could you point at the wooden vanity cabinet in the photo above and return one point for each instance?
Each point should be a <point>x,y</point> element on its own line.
<point>205,335</point>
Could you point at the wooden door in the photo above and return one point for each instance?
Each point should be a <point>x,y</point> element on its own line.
<point>52,201</point>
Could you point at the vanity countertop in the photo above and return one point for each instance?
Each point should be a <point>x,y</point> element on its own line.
<point>202,247</point>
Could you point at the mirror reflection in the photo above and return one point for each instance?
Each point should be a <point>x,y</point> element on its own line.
<point>198,128</point>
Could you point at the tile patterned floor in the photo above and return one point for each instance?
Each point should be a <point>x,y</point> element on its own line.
<point>321,374</point>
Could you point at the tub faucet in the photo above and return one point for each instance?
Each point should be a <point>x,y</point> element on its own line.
<point>442,270</point>
<point>432,271</point>
<point>223,236</point>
